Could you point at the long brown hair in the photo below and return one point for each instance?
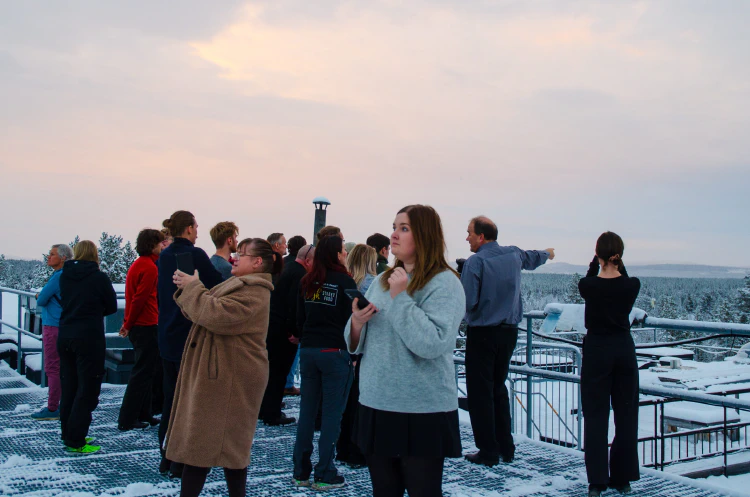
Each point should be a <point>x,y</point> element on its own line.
<point>326,259</point>
<point>427,231</point>
<point>178,222</point>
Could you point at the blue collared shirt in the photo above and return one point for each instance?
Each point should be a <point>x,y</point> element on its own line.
<point>492,283</point>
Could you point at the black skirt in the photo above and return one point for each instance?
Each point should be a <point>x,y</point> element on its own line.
<point>399,434</point>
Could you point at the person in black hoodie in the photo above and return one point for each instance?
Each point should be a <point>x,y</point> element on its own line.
<point>173,326</point>
<point>323,310</point>
<point>87,296</point>
<point>281,342</point>
<point>609,372</point>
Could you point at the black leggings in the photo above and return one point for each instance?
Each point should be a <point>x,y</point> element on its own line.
<point>193,479</point>
<point>421,476</point>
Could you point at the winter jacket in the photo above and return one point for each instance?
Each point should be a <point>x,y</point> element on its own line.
<point>223,374</point>
<point>382,264</point>
<point>50,301</point>
<point>323,315</point>
<point>141,307</point>
<point>173,326</point>
<point>87,296</point>
<point>284,300</point>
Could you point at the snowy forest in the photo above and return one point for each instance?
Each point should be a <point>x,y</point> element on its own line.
<point>114,259</point>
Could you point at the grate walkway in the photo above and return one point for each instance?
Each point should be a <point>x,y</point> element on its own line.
<point>32,462</point>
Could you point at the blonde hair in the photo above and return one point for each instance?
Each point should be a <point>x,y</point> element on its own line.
<point>361,261</point>
<point>85,250</point>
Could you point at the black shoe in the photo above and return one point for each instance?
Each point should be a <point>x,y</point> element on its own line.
<point>479,458</point>
<point>175,470</point>
<point>280,421</point>
<point>621,488</point>
<point>164,466</point>
<point>138,425</point>
<point>152,421</point>
<point>337,481</point>
<point>596,490</point>
<point>509,456</point>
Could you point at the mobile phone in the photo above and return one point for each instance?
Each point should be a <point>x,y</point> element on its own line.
<point>185,262</point>
<point>356,294</point>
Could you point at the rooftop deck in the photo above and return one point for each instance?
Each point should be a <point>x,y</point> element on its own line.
<point>33,463</point>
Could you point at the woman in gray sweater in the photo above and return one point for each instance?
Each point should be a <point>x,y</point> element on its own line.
<point>408,417</point>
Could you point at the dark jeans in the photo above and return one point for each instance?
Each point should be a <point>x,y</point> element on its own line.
<point>136,403</point>
<point>157,384</point>
<point>610,374</point>
<point>281,353</point>
<point>420,476</point>
<point>326,374</point>
<point>193,479</point>
<point>170,370</point>
<point>81,374</point>
<point>488,353</point>
<point>346,449</point>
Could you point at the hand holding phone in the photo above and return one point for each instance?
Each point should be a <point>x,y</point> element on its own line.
<point>356,294</point>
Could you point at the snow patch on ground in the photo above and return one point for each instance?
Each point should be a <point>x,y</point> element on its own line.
<point>15,460</point>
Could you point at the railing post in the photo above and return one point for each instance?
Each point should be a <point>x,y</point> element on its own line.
<point>529,363</point>
<point>663,442</point>
<point>1,310</point>
<point>19,347</point>
<point>725,444</point>
<point>579,416</point>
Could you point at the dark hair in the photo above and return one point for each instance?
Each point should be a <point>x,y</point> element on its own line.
<point>294,244</point>
<point>328,231</point>
<point>610,247</point>
<point>179,222</point>
<point>326,259</point>
<point>378,242</point>
<point>272,261</point>
<point>429,242</point>
<point>147,241</point>
<point>483,226</point>
<point>222,232</point>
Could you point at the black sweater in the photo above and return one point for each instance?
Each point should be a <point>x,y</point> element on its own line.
<point>323,316</point>
<point>608,301</point>
<point>284,297</point>
<point>87,296</point>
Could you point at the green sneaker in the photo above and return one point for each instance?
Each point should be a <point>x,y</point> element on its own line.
<point>89,439</point>
<point>338,481</point>
<point>85,450</point>
<point>300,483</point>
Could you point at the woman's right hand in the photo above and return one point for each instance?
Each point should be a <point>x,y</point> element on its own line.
<point>361,316</point>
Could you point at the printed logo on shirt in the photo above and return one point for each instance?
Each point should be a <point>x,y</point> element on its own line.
<point>327,295</point>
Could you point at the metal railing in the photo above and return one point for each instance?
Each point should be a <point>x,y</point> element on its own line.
<point>25,299</point>
<point>546,399</point>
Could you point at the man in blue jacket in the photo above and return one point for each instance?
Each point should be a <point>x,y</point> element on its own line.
<point>49,301</point>
<point>492,283</point>
<point>173,325</point>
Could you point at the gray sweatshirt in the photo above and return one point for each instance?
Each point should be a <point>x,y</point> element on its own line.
<point>408,345</point>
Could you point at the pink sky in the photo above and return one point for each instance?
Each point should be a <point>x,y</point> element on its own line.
<point>559,120</point>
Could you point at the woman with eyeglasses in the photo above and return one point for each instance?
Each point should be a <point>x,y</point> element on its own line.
<point>224,369</point>
<point>323,309</point>
<point>408,417</point>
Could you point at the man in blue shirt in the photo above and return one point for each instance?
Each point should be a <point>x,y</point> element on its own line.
<point>49,301</point>
<point>492,282</point>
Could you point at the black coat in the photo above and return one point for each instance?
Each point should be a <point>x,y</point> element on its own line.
<point>284,300</point>
<point>173,325</point>
<point>87,296</point>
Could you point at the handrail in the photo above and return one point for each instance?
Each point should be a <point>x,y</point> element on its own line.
<point>17,292</point>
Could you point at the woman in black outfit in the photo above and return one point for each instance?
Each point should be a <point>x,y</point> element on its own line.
<point>609,371</point>
<point>323,310</point>
<point>87,296</point>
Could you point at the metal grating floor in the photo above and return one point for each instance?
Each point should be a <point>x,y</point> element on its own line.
<point>32,462</point>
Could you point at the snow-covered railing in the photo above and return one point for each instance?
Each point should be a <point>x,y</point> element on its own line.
<point>18,327</point>
<point>697,326</point>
